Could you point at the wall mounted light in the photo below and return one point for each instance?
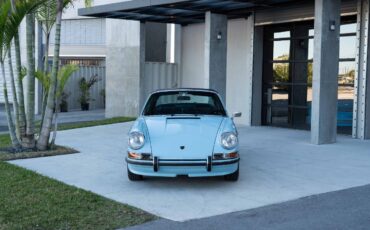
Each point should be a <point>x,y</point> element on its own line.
<point>333,26</point>
<point>219,36</point>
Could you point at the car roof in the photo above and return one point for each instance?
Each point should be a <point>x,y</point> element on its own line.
<point>185,89</point>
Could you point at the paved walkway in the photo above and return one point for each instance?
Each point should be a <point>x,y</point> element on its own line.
<point>277,165</point>
<point>70,117</point>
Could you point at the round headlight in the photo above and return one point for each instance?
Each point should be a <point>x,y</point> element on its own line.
<point>229,140</point>
<point>136,140</point>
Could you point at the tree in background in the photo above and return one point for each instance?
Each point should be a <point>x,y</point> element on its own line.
<point>4,49</point>
<point>21,115</point>
<point>12,14</point>
<point>22,126</point>
<point>43,141</point>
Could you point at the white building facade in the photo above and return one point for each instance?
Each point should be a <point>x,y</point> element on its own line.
<point>289,63</point>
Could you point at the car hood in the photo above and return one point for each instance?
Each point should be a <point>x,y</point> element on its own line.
<point>187,137</point>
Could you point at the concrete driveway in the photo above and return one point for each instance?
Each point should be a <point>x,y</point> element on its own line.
<point>277,165</point>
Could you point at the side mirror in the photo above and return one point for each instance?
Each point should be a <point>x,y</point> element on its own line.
<point>237,114</point>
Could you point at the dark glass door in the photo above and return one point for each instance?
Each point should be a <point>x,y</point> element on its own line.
<point>285,76</point>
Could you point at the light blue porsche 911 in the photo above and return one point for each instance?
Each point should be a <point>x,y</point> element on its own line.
<point>183,132</point>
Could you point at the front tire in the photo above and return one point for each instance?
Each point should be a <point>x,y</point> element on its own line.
<point>233,176</point>
<point>133,177</point>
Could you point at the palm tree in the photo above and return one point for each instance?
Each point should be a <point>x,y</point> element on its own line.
<point>63,76</point>
<point>11,18</point>
<point>46,14</point>
<point>15,98</point>
<point>4,48</point>
<point>30,115</point>
<point>19,82</point>
<point>43,141</point>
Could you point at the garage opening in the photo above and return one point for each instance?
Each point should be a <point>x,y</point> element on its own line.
<point>287,75</point>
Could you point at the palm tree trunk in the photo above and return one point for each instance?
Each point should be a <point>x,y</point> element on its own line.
<point>54,137</point>
<point>15,99</point>
<point>30,128</point>
<point>15,142</point>
<point>46,70</point>
<point>19,83</point>
<point>43,141</point>
<point>46,53</point>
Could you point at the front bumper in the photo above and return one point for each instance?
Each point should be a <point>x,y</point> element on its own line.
<point>190,168</point>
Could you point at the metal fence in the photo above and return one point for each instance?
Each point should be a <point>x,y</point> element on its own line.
<point>97,91</point>
<point>159,75</point>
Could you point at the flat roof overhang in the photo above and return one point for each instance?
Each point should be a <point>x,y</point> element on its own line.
<point>178,11</point>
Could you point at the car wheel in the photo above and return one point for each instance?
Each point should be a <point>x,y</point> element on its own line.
<point>233,176</point>
<point>133,177</point>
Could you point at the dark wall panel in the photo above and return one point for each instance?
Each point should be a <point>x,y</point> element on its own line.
<point>156,42</point>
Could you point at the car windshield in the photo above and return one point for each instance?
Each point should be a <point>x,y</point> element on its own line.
<point>184,103</point>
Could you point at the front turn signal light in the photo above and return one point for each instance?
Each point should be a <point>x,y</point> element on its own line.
<point>135,156</point>
<point>232,155</point>
<point>221,156</point>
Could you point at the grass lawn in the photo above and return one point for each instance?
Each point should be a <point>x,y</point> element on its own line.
<point>31,201</point>
<point>5,139</point>
<point>95,123</point>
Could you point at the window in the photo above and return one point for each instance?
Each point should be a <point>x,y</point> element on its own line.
<point>81,32</point>
<point>288,74</point>
<point>346,76</point>
<point>83,61</point>
<point>184,102</point>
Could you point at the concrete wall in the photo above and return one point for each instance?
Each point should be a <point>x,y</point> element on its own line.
<point>192,56</point>
<point>239,69</point>
<point>122,68</point>
<point>159,75</point>
<point>239,64</point>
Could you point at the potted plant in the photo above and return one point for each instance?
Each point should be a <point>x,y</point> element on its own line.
<point>63,102</point>
<point>85,86</point>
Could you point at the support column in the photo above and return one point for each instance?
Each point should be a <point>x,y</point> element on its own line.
<point>258,51</point>
<point>142,58</point>
<point>361,111</point>
<point>215,48</point>
<point>124,67</point>
<point>325,72</point>
<point>178,53</point>
<point>299,75</point>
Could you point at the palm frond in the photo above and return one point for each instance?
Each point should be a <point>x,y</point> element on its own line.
<point>46,13</point>
<point>88,3</point>
<point>5,9</point>
<point>63,76</point>
<point>44,79</point>
<point>9,26</point>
